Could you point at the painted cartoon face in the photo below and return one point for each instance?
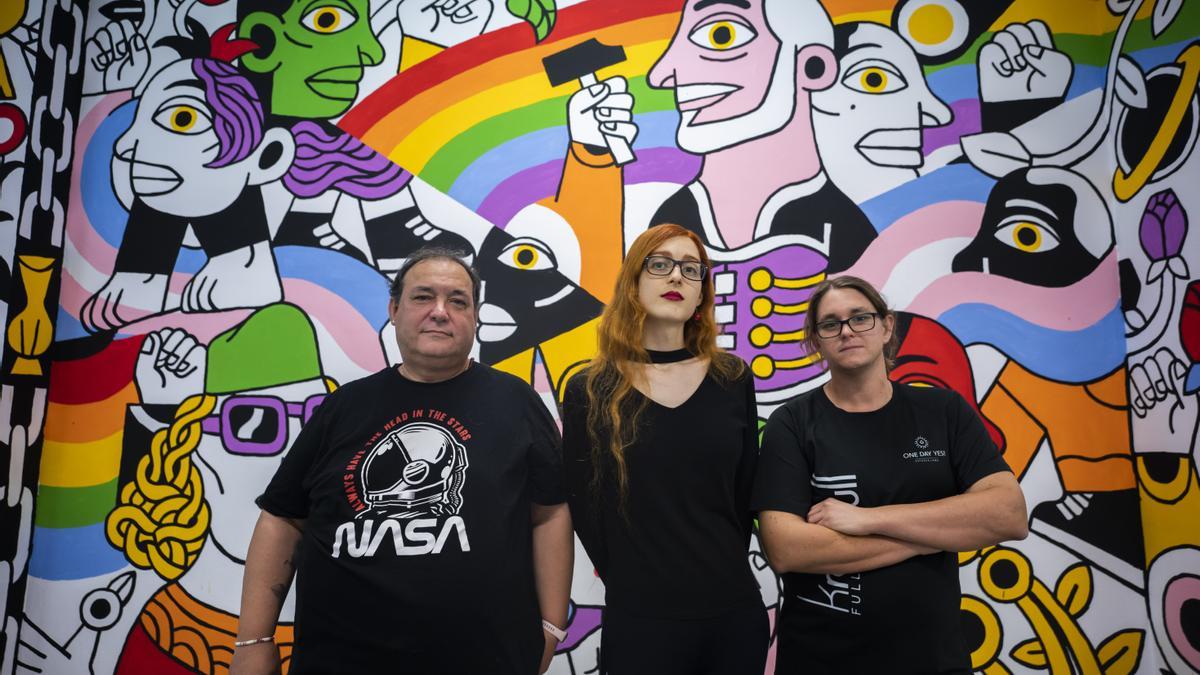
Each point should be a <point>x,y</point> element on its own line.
<point>526,298</point>
<point>873,115</point>
<point>317,58</point>
<point>850,349</point>
<point>1044,226</point>
<point>172,159</point>
<point>244,441</point>
<point>721,64</point>
<point>670,299</point>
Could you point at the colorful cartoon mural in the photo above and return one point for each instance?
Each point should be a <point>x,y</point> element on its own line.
<point>201,204</point>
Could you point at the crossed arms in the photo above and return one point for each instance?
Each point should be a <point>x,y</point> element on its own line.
<point>839,538</point>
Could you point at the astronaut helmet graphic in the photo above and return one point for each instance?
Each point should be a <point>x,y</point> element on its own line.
<point>417,469</point>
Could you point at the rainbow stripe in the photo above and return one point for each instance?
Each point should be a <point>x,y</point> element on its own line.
<point>481,122</point>
<point>81,460</point>
<point>438,116</point>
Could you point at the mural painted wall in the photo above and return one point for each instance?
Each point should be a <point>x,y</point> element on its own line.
<point>203,256</point>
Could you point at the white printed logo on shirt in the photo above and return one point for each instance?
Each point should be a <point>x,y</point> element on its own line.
<point>407,489</point>
<point>840,593</point>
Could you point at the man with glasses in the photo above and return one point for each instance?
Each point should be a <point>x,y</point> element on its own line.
<point>422,509</point>
<point>866,489</point>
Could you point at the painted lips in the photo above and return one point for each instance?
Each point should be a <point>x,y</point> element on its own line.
<point>697,96</point>
<point>673,296</point>
<point>151,179</point>
<point>339,83</point>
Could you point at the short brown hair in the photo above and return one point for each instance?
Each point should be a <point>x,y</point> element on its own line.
<point>813,342</point>
<point>396,286</point>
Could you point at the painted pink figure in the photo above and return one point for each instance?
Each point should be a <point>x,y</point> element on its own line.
<point>743,74</point>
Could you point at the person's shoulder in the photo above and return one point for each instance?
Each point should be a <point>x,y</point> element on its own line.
<point>733,363</point>
<point>797,407</point>
<point>730,371</point>
<point>931,398</point>
<point>501,383</point>
<point>363,386</point>
<point>483,373</point>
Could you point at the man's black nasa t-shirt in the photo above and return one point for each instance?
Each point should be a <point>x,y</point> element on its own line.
<point>417,552</point>
<point>924,444</point>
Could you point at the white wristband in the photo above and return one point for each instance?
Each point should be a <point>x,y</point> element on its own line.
<point>247,643</point>
<point>558,633</point>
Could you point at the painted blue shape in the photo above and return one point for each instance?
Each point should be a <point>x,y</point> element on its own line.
<point>1065,356</point>
<point>73,553</point>
<point>480,179</point>
<point>363,286</point>
<point>1192,383</point>
<point>68,327</point>
<point>950,183</point>
<point>104,210</point>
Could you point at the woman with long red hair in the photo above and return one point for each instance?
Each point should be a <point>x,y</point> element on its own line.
<point>660,443</point>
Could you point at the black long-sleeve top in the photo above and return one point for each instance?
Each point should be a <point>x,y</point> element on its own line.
<point>680,548</point>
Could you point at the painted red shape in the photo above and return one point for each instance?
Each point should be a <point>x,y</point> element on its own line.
<point>1189,322</point>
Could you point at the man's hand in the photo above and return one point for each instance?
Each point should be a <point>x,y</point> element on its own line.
<point>548,651</point>
<point>841,517</point>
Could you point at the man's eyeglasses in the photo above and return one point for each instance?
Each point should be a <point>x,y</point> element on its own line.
<point>258,425</point>
<point>859,323</point>
<point>661,266</point>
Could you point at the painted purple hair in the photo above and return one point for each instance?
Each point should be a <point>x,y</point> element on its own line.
<point>237,111</point>
<point>328,158</point>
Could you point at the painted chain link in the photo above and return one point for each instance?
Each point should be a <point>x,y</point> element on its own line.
<point>38,253</point>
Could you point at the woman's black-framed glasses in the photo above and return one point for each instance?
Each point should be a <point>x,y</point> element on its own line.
<point>859,323</point>
<point>661,266</point>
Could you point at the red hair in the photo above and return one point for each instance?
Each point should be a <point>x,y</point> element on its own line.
<point>612,417</point>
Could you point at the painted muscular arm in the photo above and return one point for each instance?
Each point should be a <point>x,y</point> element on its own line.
<point>270,568</point>
<point>794,545</point>
<point>553,560</point>
<point>992,510</point>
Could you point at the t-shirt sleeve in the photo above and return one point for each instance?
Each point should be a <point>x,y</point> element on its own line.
<point>972,452</point>
<point>748,462</point>
<point>546,484</point>
<point>287,494</point>
<point>782,482</point>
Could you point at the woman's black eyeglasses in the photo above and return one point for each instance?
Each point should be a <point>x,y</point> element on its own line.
<point>661,266</point>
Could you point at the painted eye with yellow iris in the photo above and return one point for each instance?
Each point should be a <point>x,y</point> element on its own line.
<point>527,254</point>
<point>328,19</point>
<point>722,34</point>
<point>1028,234</point>
<point>874,77</point>
<point>184,116</point>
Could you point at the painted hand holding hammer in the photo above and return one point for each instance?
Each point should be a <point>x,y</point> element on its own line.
<point>601,112</point>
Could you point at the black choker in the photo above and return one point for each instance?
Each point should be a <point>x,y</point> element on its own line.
<point>673,356</point>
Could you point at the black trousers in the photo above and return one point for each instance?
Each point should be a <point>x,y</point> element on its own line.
<point>733,643</point>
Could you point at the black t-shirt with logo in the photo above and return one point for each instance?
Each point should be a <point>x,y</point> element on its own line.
<point>417,547</point>
<point>924,444</point>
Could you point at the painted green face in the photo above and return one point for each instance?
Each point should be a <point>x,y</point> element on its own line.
<point>320,50</point>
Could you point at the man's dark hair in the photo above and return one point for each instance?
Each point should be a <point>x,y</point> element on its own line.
<point>396,288</point>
